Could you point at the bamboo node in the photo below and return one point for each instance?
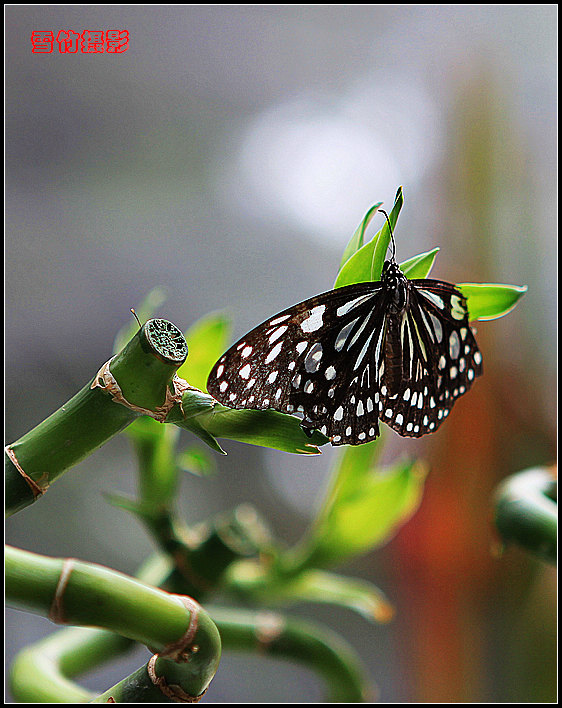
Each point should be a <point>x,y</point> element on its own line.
<point>172,691</point>
<point>105,380</point>
<point>36,488</point>
<point>181,649</point>
<point>56,612</point>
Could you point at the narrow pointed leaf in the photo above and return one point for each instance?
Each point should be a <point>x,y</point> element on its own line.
<point>263,428</point>
<point>365,517</point>
<point>382,240</point>
<point>362,266</point>
<point>356,240</point>
<point>197,461</point>
<point>488,301</point>
<point>209,420</point>
<point>258,582</point>
<point>193,425</point>
<point>419,266</point>
<point>358,595</point>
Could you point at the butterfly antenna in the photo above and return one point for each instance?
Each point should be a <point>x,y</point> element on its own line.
<point>391,234</point>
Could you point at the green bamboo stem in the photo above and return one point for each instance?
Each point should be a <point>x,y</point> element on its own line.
<point>42,672</point>
<point>201,555</point>
<point>142,373</point>
<point>526,512</point>
<point>78,593</point>
<point>308,644</point>
<point>159,681</point>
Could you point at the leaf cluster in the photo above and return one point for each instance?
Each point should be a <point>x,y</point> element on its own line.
<point>365,505</point>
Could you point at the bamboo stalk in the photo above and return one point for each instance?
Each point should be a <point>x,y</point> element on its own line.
<point>42,672</point>
<point>73,592</point>
<point>526,512</point>
<point>135,382</point>
<point>309,644</point>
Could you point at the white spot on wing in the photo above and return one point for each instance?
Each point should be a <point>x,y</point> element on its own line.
<point>346,307</point>
<point>278,320</point>
<point>314,321</point>
<point>435,299</point>
<point>343,335</point>
<point>457,309</point>
<point>312,360</point>
<point>454,345</point>
<point>280,331</point>
<point>273,353</point>
<point>363,351</point>
<point>437,328</point>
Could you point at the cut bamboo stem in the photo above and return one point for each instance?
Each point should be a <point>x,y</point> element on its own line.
<point>137,381</point>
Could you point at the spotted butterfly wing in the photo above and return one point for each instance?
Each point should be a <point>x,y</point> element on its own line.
<point>397,350</point>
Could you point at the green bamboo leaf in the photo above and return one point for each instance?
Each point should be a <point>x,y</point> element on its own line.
<point>264,428</point>
<point>488,301</point>
<point>195,404</point>
<point>365,515</point>
<point>382,240</point>
<point>209,420</point>
<point>207,339</point>
<point>356,240</point>
<point>195,427</point>
<point>358,595</point>
<point>197,461</point>
<point>419,266</point>
<point>354,465</point>
<point>260,582</point>
<point>141,510</point>
<point>366,264</point>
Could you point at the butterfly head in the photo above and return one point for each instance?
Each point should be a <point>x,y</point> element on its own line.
<point>391,274</point>
<point>395,281</point>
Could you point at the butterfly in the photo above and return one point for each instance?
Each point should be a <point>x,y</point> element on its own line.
<point>396,350</point>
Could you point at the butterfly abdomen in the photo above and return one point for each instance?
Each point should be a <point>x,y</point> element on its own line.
<point>393,355</point>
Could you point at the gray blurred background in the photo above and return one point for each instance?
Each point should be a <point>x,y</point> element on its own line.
<point>228,156</point>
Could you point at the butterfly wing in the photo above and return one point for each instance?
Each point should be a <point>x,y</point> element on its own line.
<point>440,359</point>
<point>346,358</point>
<point>309,359</point>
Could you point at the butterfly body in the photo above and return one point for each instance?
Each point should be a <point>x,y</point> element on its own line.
<point>395,350</point>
